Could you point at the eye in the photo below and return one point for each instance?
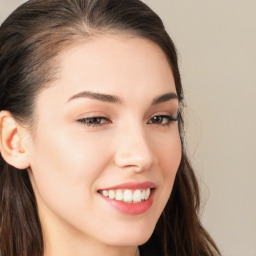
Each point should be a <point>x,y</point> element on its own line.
<point>164,120</point>
<point>94,121</point>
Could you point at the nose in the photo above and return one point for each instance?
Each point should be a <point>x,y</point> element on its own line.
<point>134,151</point>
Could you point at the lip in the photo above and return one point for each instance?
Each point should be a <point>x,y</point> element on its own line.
<point>131,208</point>
<point>132,185</point>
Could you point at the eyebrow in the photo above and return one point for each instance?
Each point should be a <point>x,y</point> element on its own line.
<point>115,99</point>
<point>165,97</point>
<point>97,96</point>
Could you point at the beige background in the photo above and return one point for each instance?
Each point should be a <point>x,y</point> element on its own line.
<point>216,41</point>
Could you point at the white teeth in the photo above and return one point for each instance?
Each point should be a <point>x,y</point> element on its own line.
<point>105,193</point>
<point>136,196</point>
<point>147,194</point>
<point>111,194</point>
<point>127,196</point>
<point>119,195</point>
<point>143,194</point>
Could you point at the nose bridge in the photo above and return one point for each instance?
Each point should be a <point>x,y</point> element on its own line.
<point>133,149</point>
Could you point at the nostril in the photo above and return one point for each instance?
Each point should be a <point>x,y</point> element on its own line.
<point>136,161</point>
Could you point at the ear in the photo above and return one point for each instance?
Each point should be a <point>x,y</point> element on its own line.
<point>13,141</point>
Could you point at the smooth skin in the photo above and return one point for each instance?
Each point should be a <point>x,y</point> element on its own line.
<point>70,160</point>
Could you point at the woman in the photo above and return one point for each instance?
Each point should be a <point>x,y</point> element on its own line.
<point>92,153</point>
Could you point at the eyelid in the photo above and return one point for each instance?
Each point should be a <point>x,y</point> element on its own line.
<point>171,118</point>
<point>94,121</point>
<point>172,114</point>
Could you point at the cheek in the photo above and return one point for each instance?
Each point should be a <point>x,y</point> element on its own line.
<point>69,155</point>
<point>169,153</point>
<point>65,168</point>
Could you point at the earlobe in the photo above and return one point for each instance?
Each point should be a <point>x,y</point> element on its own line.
<point>12,144</point>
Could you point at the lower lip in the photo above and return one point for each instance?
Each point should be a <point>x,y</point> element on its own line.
<point>131,208</point>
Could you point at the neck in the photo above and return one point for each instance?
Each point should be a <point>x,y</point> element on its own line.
<point>88,250</point>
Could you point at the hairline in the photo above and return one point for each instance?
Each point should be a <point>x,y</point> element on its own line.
<point>75,40</point>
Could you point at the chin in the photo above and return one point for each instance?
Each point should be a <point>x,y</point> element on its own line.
<point>132,237</point>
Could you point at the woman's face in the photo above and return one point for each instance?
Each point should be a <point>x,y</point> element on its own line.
<point>104,139</point>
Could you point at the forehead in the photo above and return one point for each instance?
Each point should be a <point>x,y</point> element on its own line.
<point>126,66</point>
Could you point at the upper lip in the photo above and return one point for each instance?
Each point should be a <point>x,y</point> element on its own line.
<point>132,186</point>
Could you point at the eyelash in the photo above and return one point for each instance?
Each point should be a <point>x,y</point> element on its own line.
<point>97,120</point>
<point>93,121</point>
<point>169,118</point>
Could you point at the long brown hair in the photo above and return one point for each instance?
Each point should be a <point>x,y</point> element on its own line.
<point>31,40</point>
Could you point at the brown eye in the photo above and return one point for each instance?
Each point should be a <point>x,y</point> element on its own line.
<point>163,119</point>
<point>160,120</point>
<point>93,121</point>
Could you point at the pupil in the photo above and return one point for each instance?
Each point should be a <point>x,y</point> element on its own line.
<point>94,120</point>
<point>158,119</point>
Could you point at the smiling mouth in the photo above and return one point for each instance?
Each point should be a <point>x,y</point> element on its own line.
<point>127,195</point>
